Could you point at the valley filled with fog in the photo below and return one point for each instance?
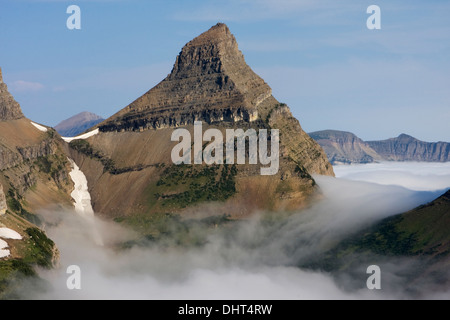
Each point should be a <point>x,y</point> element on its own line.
<point>259,258</point>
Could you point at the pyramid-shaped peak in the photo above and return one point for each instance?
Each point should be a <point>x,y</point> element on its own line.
<point>215,34</point>
<point>210,81</point>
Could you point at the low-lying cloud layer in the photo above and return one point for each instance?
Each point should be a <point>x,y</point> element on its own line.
<point>251,259</point>
<point>420,176</point>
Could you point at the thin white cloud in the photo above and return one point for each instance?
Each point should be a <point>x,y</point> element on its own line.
<point>21,86</point>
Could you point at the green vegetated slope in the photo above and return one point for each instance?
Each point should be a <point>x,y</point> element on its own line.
<point>423,231</point>
<point>418,242</point>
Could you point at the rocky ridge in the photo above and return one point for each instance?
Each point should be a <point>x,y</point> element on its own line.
<point>407,148</point>
<point>345,147</point>
<point>128,163</point>
<point>9,108</point>
<point>210,82</point>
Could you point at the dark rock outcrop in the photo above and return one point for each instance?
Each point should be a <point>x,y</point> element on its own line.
<point>9,108</point>
<point>3,206</point>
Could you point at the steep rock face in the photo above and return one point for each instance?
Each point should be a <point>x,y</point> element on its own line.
<point>210,81</point>
<point>3,206</point>
<point>407,148</point>
<point>128,164</point>
<point>9,108</point>
<point>33,164</point>
<point>345,147</point>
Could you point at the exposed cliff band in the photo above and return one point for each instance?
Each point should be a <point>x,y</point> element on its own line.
<point>128,160</point>
<point>209,82</point>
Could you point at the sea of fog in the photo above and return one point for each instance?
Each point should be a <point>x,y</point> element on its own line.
<point>254,260</point>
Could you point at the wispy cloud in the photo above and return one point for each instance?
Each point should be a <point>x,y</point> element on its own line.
<point>21,86</point>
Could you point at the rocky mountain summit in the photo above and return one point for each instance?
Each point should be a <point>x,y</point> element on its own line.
<point>345,147</point>
<point>128,163</point>
<point>9,108</point>
<point>33,162</point>
<point>210,81</point>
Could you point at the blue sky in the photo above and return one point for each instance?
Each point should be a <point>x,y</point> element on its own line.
<point>317,55</point>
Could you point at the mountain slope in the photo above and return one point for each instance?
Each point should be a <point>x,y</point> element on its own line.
<point>78,124</point>
<point>344,147</point>
<point>34,174</point>
<point>128,164</point>
<point>418,240</point>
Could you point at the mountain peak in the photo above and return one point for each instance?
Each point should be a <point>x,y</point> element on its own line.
<point>210,81</point>
<point>405,137</point>
<point>215,34</point>
<point>78,124</point>
<point>9,108</point>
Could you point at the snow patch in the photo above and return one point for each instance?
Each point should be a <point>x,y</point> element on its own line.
<point>39,127</point>
<point>80,194</point>
<point>83,136</point>
<point>3,244</point>
<point>7,233</point>
<point>82,198</point>
<point>4,253</point>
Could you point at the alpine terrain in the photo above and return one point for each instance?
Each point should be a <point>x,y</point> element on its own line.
<point>345,147</point>
<point>78,124</point>
<point>128,163</point>
<point>34,175</point>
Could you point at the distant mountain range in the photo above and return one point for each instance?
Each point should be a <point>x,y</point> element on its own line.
<point>345,147</point>
<point>78,124</point>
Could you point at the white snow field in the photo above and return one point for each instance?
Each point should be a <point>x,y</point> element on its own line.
<point>83,136</point>
<point>39,127</point>
<point>7,233</point>
<point>80,194</point>
<point>82,198</point>
<point>3,249</point>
